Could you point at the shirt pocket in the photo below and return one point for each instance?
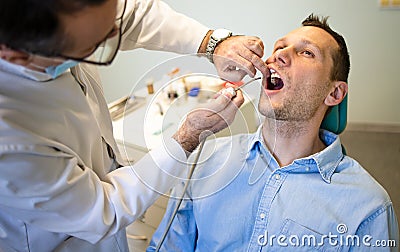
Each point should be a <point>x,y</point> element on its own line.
<point>298,237</point>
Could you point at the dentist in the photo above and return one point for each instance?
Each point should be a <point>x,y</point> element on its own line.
<point>60,189</point>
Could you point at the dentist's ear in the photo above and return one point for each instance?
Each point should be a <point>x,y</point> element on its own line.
<point>15,57</point>
<point>337,95</point>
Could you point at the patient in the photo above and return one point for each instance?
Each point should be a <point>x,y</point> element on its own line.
<point>289,185</point>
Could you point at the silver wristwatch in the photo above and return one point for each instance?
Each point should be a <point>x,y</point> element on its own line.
<point>216,37</point>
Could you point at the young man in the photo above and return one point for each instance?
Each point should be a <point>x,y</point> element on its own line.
<point>59,186</point>
<point>288,187</point>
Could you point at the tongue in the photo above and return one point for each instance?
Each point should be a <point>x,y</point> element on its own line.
<point>278,84</point>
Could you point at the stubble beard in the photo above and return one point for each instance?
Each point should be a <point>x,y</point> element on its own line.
<point>290,117</point>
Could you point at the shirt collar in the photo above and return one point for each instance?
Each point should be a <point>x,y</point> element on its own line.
<point>325,162</point>
<point>329,158</point>
<point>24,71</point>
<point>253,141</point>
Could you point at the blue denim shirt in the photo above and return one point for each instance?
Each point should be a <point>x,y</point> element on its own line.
<point>241,200</point>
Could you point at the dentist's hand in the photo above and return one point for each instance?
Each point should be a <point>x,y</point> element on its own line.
<point>211,118</point>
<point>239,55</point>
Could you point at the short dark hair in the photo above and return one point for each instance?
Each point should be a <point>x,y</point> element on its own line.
<point>34,26</point>
<point>341,58</point>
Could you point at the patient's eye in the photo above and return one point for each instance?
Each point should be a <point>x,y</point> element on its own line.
<point>308,53</point>
<point>278,48</point>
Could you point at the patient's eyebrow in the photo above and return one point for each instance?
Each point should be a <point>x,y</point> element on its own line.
<point>281,40</point>
<point>307,42</point>
<point>303,42</point>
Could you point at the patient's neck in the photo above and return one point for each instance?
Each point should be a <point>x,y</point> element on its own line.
<point>289,140</point>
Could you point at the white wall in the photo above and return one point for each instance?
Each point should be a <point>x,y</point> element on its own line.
<point>372,34</point>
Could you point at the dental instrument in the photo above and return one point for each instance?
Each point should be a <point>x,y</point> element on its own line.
<point>247,83</point>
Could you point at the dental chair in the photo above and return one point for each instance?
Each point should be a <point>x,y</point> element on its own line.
<point>336,120</point>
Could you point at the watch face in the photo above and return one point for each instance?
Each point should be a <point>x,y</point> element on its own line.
<point>221,34</point>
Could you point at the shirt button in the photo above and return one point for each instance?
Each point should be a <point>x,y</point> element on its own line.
<point>277,176</point>
<point>262,216</point>
<point>307,169</point>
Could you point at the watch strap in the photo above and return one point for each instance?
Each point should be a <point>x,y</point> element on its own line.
<point>213,43</point>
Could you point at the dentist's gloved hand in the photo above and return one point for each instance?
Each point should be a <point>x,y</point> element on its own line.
<point>213,117</point>
<point>239,55</point>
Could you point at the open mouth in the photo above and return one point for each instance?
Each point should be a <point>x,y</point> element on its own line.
<point>274,81</point>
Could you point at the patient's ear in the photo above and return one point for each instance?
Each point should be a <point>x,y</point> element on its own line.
<point>337,95</point>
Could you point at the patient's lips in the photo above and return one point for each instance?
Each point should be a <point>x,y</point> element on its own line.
<point>274,81</point>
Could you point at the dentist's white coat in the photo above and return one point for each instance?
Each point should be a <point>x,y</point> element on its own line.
<point>59,189</point>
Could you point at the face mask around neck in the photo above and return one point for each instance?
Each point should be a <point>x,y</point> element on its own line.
<point>51,72</point>
<point>54,71</point>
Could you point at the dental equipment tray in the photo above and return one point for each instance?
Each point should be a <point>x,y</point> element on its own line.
<point>125,105</point>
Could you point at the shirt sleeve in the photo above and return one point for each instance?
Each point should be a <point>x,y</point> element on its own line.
<point>182,234</point>
<point>153,25</point>
<point>379,232</point>
<point>51,189</point>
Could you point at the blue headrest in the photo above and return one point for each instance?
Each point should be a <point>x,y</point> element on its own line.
<point>336,120</point>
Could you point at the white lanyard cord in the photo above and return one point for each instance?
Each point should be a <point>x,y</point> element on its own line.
<point>180,198</point>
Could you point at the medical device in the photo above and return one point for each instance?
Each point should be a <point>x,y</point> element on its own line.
<point>247,83</point>
<point>180,199</point>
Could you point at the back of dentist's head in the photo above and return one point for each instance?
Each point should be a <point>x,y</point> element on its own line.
<point>33,25</point>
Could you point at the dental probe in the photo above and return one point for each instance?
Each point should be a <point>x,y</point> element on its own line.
<point>247,83</point>
<point>180,199</point>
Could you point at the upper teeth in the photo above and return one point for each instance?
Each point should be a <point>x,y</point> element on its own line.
<point>274,74</point>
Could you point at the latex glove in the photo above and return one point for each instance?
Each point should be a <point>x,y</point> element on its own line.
<point>211,118</point>
<point>239,55</point>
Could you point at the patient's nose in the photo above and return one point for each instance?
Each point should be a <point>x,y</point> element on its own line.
<point>280,57</point>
